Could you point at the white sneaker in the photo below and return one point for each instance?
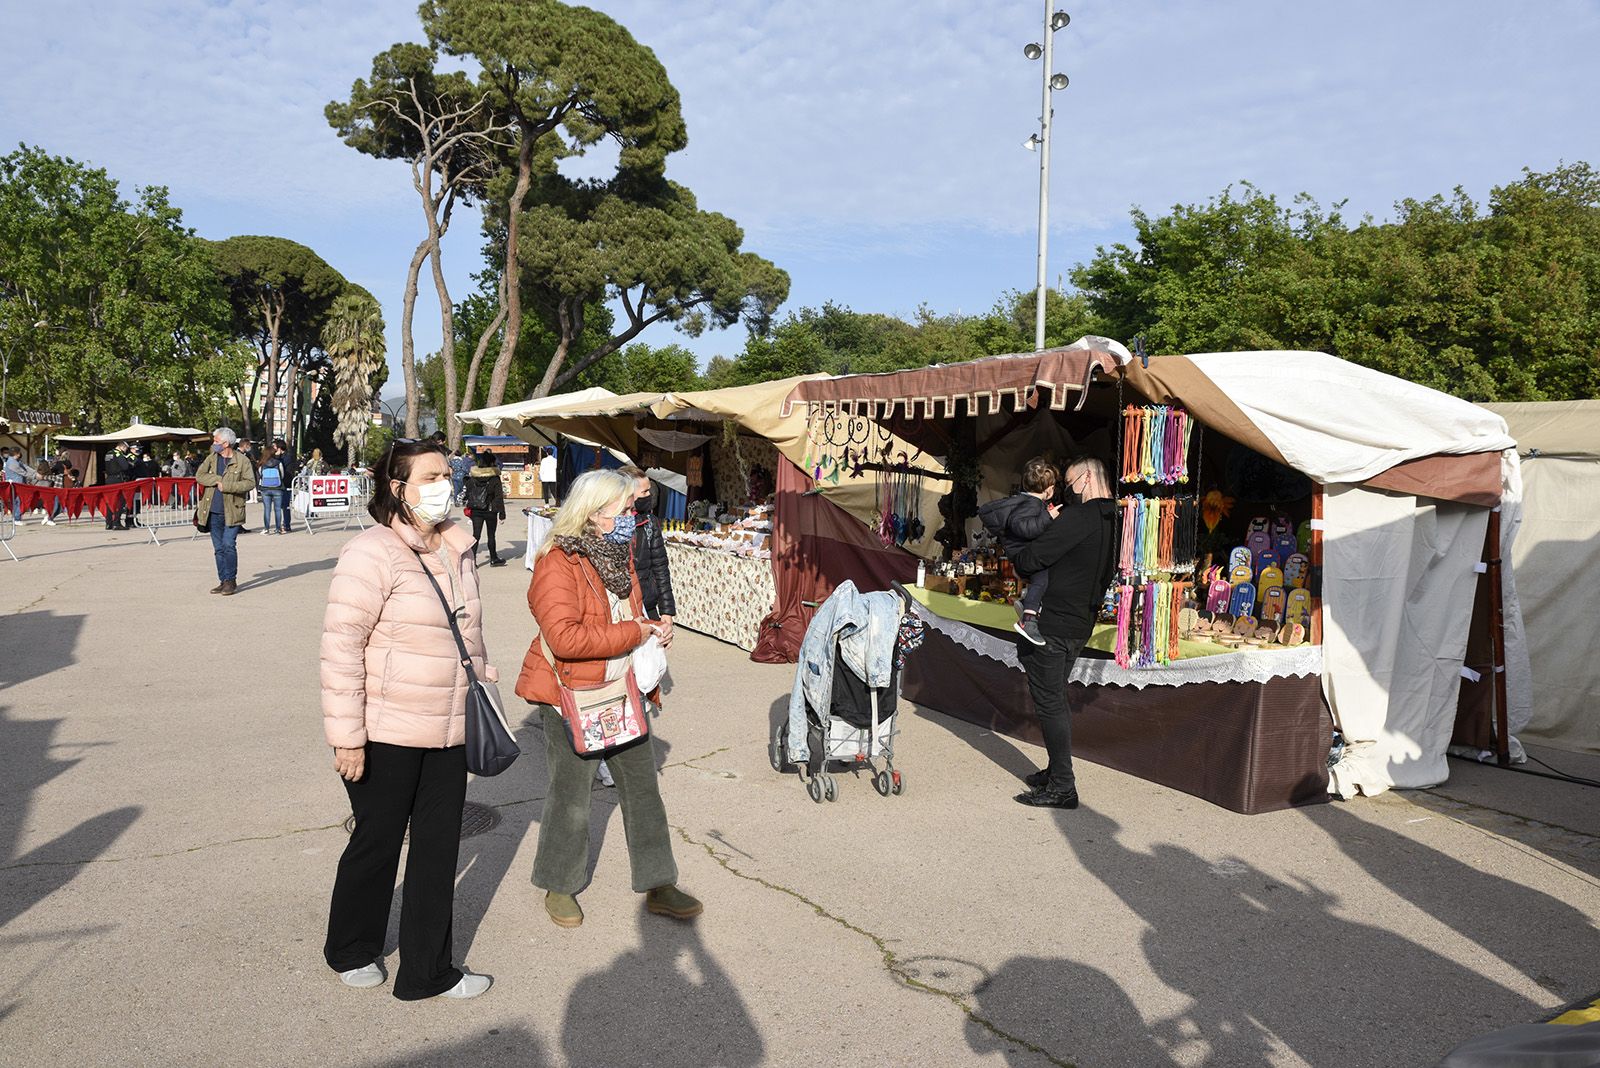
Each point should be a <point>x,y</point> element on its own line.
<point>469,987</point>
<point>604,774</point>
<point>370,976</point>
<point>49,522</point>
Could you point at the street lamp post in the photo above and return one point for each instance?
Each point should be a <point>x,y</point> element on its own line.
<point>1053,21</point>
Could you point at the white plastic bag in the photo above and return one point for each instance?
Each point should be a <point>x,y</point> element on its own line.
<point>649,664</point>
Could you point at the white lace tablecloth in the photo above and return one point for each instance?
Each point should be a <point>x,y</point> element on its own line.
<point>1246,665</point>
<point>720,594</point>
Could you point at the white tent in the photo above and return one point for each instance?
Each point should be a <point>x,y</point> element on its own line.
<point>1392,666</point>
<point>136,432</point>
<point>1556,557</point>
<point>521,419</point>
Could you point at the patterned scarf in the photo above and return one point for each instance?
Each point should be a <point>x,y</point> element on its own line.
<point>608,557</point>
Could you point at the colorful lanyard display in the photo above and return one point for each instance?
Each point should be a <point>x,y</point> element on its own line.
<point>1158,535</point>
<point>1147,623</point>
<point>1155,445</point>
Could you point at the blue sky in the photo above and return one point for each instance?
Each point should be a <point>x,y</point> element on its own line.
<point>871,148</point>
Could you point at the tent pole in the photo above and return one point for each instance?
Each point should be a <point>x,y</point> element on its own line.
<point>1497,640</point>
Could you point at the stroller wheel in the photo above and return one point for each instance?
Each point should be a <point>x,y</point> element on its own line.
<point>814,788</point>
<point>776,750</point>
<point>899,783</point>
<point>830,787</point>
<point>882,783</point>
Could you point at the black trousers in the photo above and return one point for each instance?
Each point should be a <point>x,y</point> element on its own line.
<point>478,523</point>
<point>1048,666</point>
<point>425,787</point>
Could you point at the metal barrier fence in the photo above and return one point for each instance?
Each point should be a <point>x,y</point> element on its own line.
<point>8,530</point>
<point>153,512</point>
<point>314,496</point>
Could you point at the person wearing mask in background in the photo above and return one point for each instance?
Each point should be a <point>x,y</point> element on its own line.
<point>179,467</point>
<point>291,471</point>
<point>394,702</point>
<point>273,478</point>
<point>1079,550</point>
<point>585,598</point>
<point>460,464</point>
<point>14,472</point>
<point>145,466</point>
<point>228,479</point>
<point>486,499</point>
<point>119,469</point>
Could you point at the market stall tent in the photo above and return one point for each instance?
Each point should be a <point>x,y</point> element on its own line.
<point>1556,558</point>
<point>1407,477</point>
<point>88,450</point>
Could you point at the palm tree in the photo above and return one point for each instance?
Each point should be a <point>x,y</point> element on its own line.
<point>353,340</point>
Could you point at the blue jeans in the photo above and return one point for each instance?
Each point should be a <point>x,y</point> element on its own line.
<point>274,503</point>
<point>225,547</point>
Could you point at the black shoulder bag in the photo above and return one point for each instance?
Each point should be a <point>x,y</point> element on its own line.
<point>491,748</point>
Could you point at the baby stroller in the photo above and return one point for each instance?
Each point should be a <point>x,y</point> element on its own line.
<point>843,708</point>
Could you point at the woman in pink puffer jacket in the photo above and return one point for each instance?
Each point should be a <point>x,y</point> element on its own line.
<point>394,710</point>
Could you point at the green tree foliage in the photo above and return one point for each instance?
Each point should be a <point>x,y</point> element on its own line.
<point>647,243</point>
<point>281,293</point>
<point>1502,304</point>
<point>562,78</point>
<point>639,368</point>
<point>480,313</point>
<point>109,310</point>
<point>352,337</point>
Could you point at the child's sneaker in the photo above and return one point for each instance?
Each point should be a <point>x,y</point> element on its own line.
<point>1028,627</point>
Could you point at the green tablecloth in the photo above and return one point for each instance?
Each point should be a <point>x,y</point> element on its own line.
<point>996,615</point>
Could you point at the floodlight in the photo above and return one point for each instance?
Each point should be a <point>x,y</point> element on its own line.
<point>1058,81</point>
<point>1032,143</point>
<point>1033,51</point>
<point>1059,20</point>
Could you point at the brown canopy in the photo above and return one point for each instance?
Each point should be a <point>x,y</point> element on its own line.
<point>939,390</point>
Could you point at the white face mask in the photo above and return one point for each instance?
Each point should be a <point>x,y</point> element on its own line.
<point>433,502</point>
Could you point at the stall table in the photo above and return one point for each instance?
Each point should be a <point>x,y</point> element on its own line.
<point>721,594</point>
<point>1246,730</point>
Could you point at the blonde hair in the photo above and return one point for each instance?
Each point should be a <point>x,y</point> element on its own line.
<point>591,492</point>
<point>1099,480</point>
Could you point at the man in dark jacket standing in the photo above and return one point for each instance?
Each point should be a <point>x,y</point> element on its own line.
<point>650,554</point>
<point>119,469</point>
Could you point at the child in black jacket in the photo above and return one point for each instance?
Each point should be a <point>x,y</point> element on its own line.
<point>1016,521</point>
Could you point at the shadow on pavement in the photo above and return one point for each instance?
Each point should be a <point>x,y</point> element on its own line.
<point>1271,967</point>
<point>666,1002</point>
<point>307,567</point>
<point>511,1045</point>
<point>26,765</point>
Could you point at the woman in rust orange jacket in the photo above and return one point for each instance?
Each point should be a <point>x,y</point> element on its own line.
<point>585,598</point>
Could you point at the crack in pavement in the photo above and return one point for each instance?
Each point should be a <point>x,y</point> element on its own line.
<point>172,853</point>
<point>891,960</point>
<point>690,763</point>
<point>39,599</point>
<point>226,842</point>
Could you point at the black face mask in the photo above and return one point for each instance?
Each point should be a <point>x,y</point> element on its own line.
<point>646,505</point>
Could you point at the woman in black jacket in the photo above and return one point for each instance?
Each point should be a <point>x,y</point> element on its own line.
<point>650,554</point>
<point>486,499</point>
